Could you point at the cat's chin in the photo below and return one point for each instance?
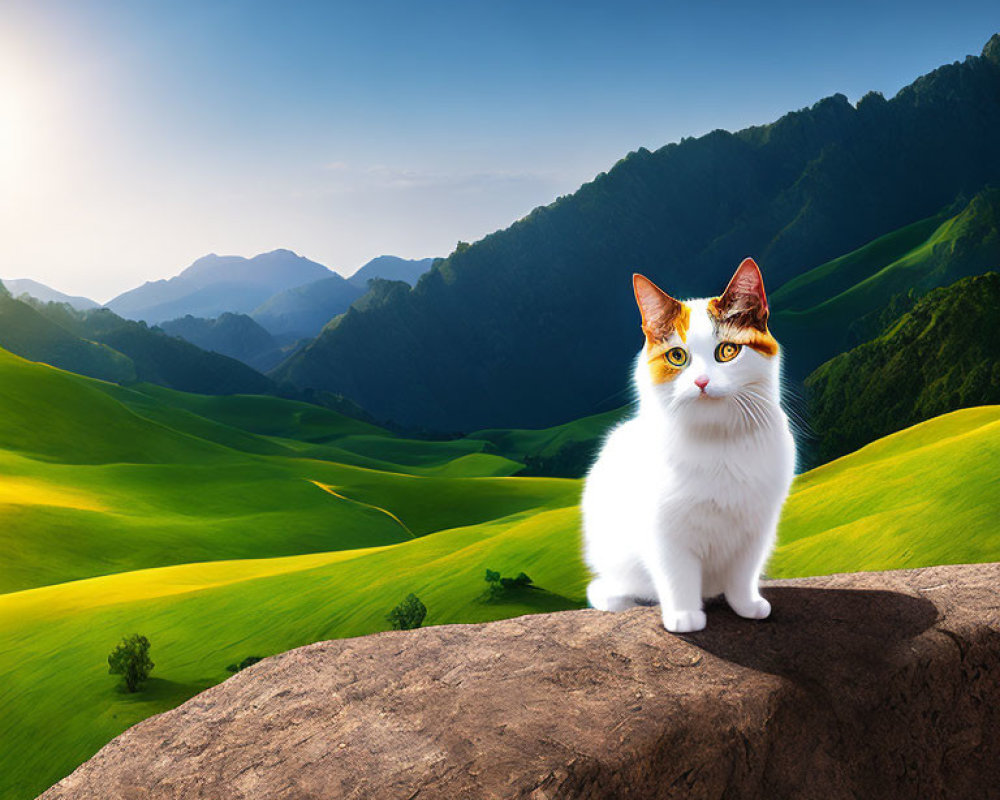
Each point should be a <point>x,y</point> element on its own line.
<point>710,414</point>
<point>705,402</point>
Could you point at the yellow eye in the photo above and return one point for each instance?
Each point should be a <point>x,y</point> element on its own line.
<point>727,351</point>
<point>676,356</point>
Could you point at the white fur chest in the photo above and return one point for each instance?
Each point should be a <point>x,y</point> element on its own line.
<point>714,493</point>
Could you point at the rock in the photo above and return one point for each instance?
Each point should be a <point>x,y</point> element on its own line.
<point>874,685</point>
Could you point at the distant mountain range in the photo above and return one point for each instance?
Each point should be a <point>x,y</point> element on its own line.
<point>235,335</point>
<point>20,286</point>
<point>256,310</point>
<point>303,310</point>
<point>100,344</point>
<point>535,325</point>
<point>214,284</point>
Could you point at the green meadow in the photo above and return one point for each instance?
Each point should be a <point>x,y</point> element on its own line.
<point>227,527</point>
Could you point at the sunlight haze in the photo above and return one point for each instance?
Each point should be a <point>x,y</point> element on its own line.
<point>135,138</point>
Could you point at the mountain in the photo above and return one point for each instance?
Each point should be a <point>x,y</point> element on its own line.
<point>392,268</point>
<point>40,291</point>
<point>942,355</point>
<point>215,284</point>
<point>30,334</point>
<point>844,302</point>
<point>100,344</point>
<point>235,335</point>
<point>535,325</point>
<point>302,311</point>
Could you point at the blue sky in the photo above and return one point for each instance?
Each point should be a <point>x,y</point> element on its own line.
<point>137,136</point>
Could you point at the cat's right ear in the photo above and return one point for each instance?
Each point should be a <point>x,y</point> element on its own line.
<point>660,312</point>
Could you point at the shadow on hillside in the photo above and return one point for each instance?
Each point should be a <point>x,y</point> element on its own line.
<point>837,639</point>
<point>160,691</point>
<point>532,599</point>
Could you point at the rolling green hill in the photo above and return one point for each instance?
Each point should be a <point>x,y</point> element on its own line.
<point>923,496</point>
<point>926,495</point>
<point>534,325</point>
<point>152,482</point>
<point>565,451</point>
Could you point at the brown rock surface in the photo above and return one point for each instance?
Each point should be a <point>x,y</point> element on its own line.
<point>876,685</point>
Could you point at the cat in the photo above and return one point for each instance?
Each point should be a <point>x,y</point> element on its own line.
<point>683,500</point>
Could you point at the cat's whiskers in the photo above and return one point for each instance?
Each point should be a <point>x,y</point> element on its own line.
<point>758,407</point>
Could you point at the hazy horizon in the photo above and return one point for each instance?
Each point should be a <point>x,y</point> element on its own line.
<point>345,273</point>
<point>135,139</point>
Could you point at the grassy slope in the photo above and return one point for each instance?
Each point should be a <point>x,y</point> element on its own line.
<point>57,695</point>
<point>840,274</point>
<point>814,310</point>
<point>927,495</point>
<point>518,443</point>
<point>153,483</point>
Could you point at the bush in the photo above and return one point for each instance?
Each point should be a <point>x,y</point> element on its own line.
<point>500,587</point>
<point>130,659</point>
<point>408,615</point>
<point>249,661</point>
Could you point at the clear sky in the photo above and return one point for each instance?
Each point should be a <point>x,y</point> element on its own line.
<point>137,136</point>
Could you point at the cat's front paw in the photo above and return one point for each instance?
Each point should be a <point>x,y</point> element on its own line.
<point>684,621</point>
<point>757,608</point>
<point>601,597</point>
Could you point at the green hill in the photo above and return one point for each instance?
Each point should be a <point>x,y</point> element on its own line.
<point>100,344</point>
<point>565,451</point>
<point>153,482</point>
<point>830,308</point>
<point>157,357</point>
<point>924,496</point>
<point>942,355</point>
<point>25,331</point>
<point>535,325</point>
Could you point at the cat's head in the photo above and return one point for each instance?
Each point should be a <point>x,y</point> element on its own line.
<point>707,354</point>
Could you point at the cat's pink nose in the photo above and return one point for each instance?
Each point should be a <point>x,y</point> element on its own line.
<point>701,382</point>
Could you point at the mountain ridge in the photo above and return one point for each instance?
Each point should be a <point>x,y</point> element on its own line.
<point>535,324</point>
<point>214,284</point>
<point>32,288</point>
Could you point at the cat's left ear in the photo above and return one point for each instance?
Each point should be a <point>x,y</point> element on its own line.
<point>744,303</point>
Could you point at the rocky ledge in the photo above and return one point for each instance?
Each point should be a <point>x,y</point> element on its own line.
<point>874,685</point>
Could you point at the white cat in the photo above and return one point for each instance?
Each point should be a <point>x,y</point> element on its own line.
<point>684,498</point>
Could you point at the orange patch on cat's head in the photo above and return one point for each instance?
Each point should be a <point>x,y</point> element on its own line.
<point>662,317</point>
<point>741,312</point>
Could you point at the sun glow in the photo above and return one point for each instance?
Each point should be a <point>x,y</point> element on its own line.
<point>17,124</point>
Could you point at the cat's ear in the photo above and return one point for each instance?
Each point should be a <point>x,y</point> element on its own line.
<point>744,303</point>
<point>660,312</point>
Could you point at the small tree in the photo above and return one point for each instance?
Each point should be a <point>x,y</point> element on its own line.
<point>408,615</point>
<point>130,659</point>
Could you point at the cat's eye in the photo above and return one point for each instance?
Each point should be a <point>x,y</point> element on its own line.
<point>676,356</point>
<point>727,351</point>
